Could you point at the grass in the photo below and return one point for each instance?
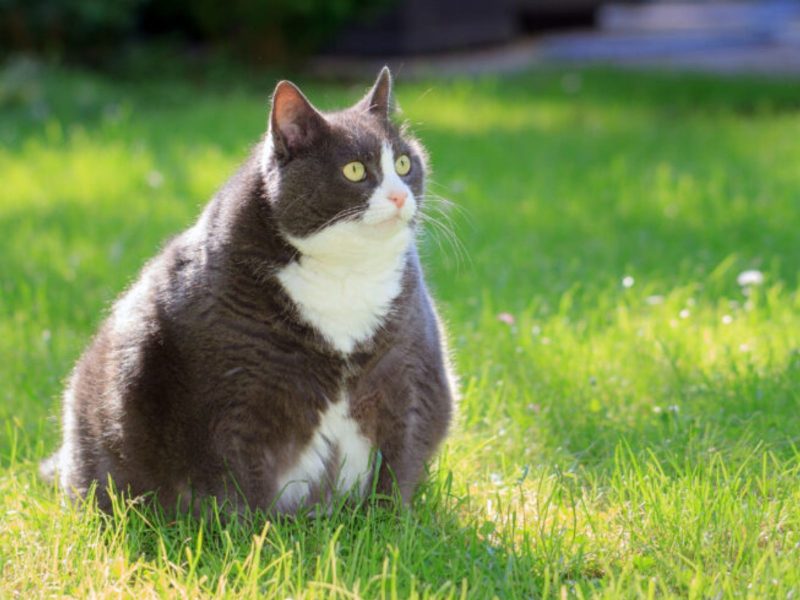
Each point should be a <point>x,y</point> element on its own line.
<point>630,427</point>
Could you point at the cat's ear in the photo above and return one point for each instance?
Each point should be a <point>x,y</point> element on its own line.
<point>380,100</point>
<point>294,123</point>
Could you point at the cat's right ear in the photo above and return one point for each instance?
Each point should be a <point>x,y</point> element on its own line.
<point>294,123</point>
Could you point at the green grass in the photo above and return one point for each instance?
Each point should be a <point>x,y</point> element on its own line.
<point>613,441</point>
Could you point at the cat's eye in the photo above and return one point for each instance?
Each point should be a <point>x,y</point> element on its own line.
<point>402,165</point>
<point>355,171</point>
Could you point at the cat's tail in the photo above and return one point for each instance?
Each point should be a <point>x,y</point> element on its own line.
<point>48,468</point>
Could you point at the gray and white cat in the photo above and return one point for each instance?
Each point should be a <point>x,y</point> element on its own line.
<point>273,350</point>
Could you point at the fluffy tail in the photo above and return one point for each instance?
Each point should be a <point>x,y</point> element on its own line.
<point>48,468</point>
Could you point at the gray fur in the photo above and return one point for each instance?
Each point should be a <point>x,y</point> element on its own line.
<point>204,381</point>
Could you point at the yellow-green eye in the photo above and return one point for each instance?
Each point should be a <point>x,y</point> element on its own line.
<point>402,165</point>
<point>354,171</point>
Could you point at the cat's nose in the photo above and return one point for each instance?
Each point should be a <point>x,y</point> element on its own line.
<point>398,198</point>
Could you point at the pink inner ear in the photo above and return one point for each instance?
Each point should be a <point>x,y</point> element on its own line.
<point>288,107</point>
<point>291,115</point>
<point>292,132</point>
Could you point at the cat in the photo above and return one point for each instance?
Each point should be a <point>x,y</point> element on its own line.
<point>284,350</point>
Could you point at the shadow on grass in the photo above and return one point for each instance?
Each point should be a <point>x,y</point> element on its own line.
<point>377,549</point>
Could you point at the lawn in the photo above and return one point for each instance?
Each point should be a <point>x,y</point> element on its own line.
<point>630,421</point>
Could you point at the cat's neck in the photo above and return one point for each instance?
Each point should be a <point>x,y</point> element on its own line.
<point>348,248</point>
<point>345,281</point>
<point>238,229</point>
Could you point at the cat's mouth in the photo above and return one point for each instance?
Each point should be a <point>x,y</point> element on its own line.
<point>388,217</point>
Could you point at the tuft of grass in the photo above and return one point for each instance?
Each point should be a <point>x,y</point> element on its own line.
<point>630,419</point>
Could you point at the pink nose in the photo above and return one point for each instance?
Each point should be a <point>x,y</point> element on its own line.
<point>398,198</point>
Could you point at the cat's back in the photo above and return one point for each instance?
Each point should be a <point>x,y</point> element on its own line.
<point>132,384</point>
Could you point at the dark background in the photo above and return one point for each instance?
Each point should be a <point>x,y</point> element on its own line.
<point>101,32</point>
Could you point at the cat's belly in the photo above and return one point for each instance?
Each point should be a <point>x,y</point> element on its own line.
<point>337,460</point>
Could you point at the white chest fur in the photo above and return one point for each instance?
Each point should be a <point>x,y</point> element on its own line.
<point>337,437</point>
<point>346,280</point>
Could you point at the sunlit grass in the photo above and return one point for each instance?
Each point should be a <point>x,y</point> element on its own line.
<point>630,417</point>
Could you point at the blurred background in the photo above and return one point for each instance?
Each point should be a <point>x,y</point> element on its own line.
<point>344,38</point>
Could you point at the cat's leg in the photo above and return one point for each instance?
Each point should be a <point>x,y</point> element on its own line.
<point>414,401</point>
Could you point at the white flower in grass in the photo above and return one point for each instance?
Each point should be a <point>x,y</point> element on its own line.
<point>155,179</point>
<point>750,277</point>
<point>727,319</point>
<point>685,313</point>
<point>628,281</point>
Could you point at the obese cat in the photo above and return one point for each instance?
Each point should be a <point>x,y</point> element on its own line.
<point>284,349</point>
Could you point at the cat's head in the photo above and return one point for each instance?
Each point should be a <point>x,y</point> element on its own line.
<point>355,168</point>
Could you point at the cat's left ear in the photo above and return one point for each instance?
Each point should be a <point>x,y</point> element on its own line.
<point>380,100</point>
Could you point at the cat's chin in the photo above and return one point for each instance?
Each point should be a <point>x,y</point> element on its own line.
<point>389,226</point>
<point>395,220</point>
<point>387,219</point>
